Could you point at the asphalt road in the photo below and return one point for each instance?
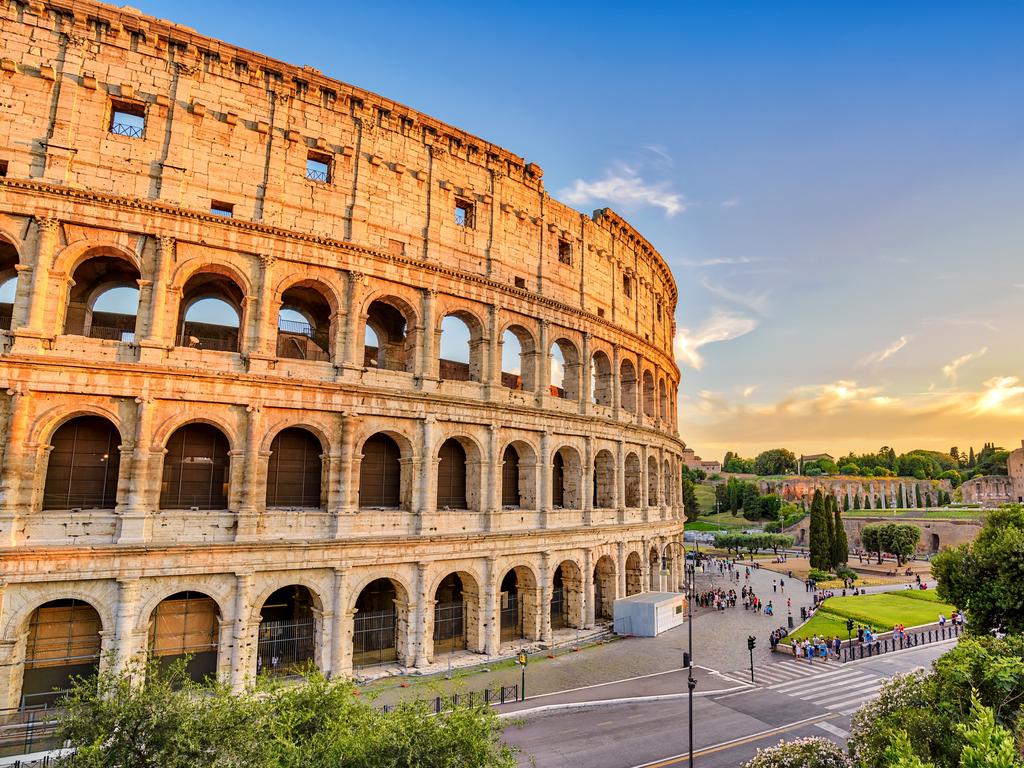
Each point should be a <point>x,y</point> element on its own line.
<point>728,728</point>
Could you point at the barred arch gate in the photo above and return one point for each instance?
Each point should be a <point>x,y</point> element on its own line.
<point>287,634</point>
<point>450,616</point>
<point>375,635</point>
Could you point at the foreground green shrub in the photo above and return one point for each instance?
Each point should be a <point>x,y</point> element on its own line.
<point>801,753</point>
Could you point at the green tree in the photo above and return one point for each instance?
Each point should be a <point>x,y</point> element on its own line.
<point>954,477</point>
<point>770,505</point>
<point>777,461</point>
<point>690,505</point>
<point>830,532</point>
<point>871,539</point>
<point>840,544</point>
<point>846,502</point>
<point>878,502</point>
<point>917,497</point>
<point>856,501</point>
<point>900,501</point>
<point>819,541</point>
<point>849,468</point>
<point>987,577</point>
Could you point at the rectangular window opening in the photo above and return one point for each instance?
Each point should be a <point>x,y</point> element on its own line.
<point>3,168</point>
<point>128,119</point>
<point>627,286</point>
<point>565,251</point>
<point>464,213</point>
<point>217,208</point>
<point>657,309</point>
<point>520,282</point>
<point>318,167</point>
<point>600,311</point>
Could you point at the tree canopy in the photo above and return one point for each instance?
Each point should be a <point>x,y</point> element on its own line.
<point>777,461</point>
<point>898,539</point>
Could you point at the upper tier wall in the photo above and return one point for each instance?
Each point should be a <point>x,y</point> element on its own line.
<point>228,125</point>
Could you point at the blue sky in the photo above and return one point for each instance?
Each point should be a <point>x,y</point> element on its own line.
<point>839,188</point>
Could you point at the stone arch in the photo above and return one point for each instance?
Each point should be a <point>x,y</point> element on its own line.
<point>604,480</point>
<point>290,621</point>
<point>83,465</point>
<point>605,586</point>
<point>63,640</point>
<point>634,478</point>
<point>392,321</point>
<point>381,622</point>
<point>566,349</point>
<point>654,567</point>
<point>383,463</point>
<point>456,620</point>
<point>667,482</point>
<point>307,311</point>
<point>196,468</point>
<point>662,400</point>
<point>459,477</point>
<point>652,481</point>
<point>10,259</point>
<point>566,478</point>
<point>518,604</point>
<point>650,409</point>
<point>519,475</point>
<point>295,469</point>
<point>567,600</point>
<point>519,370</point>
<point>460,321</point>
<point>602,379</point>
<point>628,386</point>
<point>99,270</point>
<point>211,327</point>
<point>634,574</point>
<point>186,624</point>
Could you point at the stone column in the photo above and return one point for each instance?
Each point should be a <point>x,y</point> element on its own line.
<point>589,614</point>
<point>645,567</point>
<point>620,480</point>
<point>422,618</point>
<point>348,481</point>
<point>644,479</point>
<point>254,489</point>
<point>427,494</point>
<point>28,336</point>
<point>491,593</point>
<point>493,468</point>
<point>587,485</point>
<point>155,335</point>
<point>263,344</point>
<point>428,366</point>
<point>586,385</point>
<point>351,344</point>
<point>542,369</point>
<point>16,471</point>
<point>135,522</point>
<point>344,624</point>
<point>241,635</point>
<point>616,382</point>
<point>620,570</point>
<point>546,589</point>
<point>545,477</point>
<point>124,621</point>
<point>494,353</point>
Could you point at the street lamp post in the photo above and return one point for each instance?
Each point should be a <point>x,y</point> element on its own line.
<point>690,577</point>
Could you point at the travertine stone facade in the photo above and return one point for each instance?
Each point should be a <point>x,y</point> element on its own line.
<point>872,492</point>
<point>993,490</point>
<point>172,483</point>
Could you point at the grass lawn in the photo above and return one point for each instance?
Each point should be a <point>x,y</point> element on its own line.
<point>881,611</point>
<point>705,493</point>
<point>919,514</point>
<point>703,525</point>
<point>727,519</point>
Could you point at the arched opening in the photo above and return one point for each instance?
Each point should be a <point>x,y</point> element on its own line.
<point>196,466</point>
<point>375,637</point>
<point>662,400</point>
<point>604,480</point>
<point>935,542</point>
<point>517,358</point>
<point>380,473</point>
<point>8,283</point>
<point>627,386</point>
<point>287,636</point>
<point>459,344</point>
<point>388,344</point>
<point>565,370</point>
<point>666,483</point>
<point>211,313</point>
<point>63,644</point>
<point>186,624</point>
<point>83,466</point>
<point>103,300</point>
<point>652,481</point>
<point>602,382</point>
<point>450,614</point>
<point>649,406</point>
<point>567,596</point>
<point>654,568</point>
<point>566,479</point>
<point>634,574</point>
<point>510,478</point>
<point>634,494</point>
<point>294,470</point>
<point>604,588</point>
<point>451,476</point>
<point>304,324</point>
<point>517,605</point>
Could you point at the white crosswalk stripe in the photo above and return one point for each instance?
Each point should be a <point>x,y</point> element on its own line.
<point>784,671</point>
<point>843,690</point>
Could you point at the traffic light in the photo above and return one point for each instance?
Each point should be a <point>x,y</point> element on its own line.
<point>522,658</point>
<point>751,642</point>
<point>849,625</point>
<point>686,660</point>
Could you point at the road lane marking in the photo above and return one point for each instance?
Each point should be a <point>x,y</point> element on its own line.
<point>835,730</point>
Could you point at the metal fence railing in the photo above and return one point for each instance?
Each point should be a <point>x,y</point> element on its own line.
<point>859,650</point>
<point>23,731</point>
<point>500,694</point>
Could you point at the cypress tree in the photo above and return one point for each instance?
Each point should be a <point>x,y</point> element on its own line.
<point>819,532</point>
<point>846,502</point>
<point>917,493</point>
<point>830,533</point>
<point>928,501</point>
<point>856,501</point>
<point>840,545</point>
<point>970,458</point>
<point>900,501</point>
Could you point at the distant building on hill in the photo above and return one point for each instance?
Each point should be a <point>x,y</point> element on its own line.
<point>811,457</point>
<point>692,461</point>
<point>993,490</point>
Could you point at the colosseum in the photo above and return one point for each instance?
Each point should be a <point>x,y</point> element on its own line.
<point>294,373</point>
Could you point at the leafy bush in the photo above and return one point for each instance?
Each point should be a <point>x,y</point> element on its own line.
<point>845,572</point>
<point>810,752</point>
<point>817,574</point>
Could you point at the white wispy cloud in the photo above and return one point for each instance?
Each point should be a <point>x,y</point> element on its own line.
<point>623,186</point>
<point>732,202</point>
<point>949,370</point>
<point>720,326</point>
<point>884,354</point>
<point>661,153</point>
<point>758,302</point>
<point>719,261</point>
<point>998,392</point>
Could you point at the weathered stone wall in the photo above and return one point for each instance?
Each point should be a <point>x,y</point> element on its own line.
<point>79,203</point>
<point>875,489</point>
<point>993,490</point>
<point>935,534</point>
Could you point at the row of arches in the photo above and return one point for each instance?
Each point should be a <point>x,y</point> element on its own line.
<point>84,467</point>
<point>103,301</point>
<point>63,638</point>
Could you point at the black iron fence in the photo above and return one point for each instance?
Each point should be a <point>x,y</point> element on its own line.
<point>23,731</point>
<point>864,650</point>
<point>500,694</point>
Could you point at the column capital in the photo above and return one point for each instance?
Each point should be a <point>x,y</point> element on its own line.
<point>266,259</point>
<point>167,242</point>
<point>48,224</point>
